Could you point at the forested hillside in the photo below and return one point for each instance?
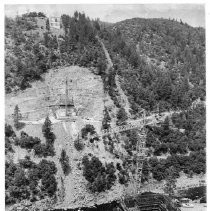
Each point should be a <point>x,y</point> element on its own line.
<point>161,66</point>
<point>31,50</point>
<point>155,65</point>
<point>161,62</point>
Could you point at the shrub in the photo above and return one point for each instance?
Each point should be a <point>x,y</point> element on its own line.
<point>28,142</point>
<point>88,129</point>
<point>9,131</point>
<point>78,144</point>
<point>121,116</point>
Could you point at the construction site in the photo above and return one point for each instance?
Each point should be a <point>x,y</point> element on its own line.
<point>73,97</point>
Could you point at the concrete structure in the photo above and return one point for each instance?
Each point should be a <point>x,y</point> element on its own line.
<point>55,22</point>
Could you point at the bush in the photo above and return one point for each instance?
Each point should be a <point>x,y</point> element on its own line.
<point>28,142</point>
<point>9,132</point>
<point>121,116</point>
<point>78,144</point>
<point>88,129</point>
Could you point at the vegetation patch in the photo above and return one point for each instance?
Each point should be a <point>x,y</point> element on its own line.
<point>100,177</point>
<point>28,180</point>
<point>42,150</point>
<point>88,129</point>
<point>64,160</point>
<point>29,55</point>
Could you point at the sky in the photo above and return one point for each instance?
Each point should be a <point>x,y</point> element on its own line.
<point>193,14</point>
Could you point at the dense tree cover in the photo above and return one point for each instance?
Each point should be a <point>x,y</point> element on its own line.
<point>26,141</point>
<point>189,134</point>
<point>130,141</point>
<point>30,53</point>
<point>64,160</point>
<point>34,14</point>
<point>195,162</point>
<point>22,180</point>
<point>179,47</point>
<point>100,177</point>
<point>22,64</point>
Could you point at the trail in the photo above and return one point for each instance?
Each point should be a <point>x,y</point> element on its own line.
<point>109,61</point>
<point>123,98</point>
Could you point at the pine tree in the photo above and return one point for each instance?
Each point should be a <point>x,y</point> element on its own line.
<point>48,24</point>
<point>46,128</point>
<point>17,116</point>
<point>64,160</point>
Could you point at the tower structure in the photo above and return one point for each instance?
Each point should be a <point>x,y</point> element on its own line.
<point>69,104</point>
<point>140,158</point>
<point>66,97</point>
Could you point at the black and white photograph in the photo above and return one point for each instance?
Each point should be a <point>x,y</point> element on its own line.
<point>105,107</point>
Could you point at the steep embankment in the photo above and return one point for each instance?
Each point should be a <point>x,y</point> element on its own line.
<point>123,98</point>
<point>161,64</point>
<point>87,92</point>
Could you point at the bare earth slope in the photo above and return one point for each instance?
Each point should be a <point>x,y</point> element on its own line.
<point>87,92</point>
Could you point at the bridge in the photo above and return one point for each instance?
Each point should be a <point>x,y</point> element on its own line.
<point>139,123</point>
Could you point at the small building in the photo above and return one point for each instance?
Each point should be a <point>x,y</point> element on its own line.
<point>55,22</point>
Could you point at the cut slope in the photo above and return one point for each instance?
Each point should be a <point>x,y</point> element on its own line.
<point>87,92</point>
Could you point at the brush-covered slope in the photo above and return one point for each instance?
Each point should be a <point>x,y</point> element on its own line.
<point>160,65</point>
<point>160,62</point>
